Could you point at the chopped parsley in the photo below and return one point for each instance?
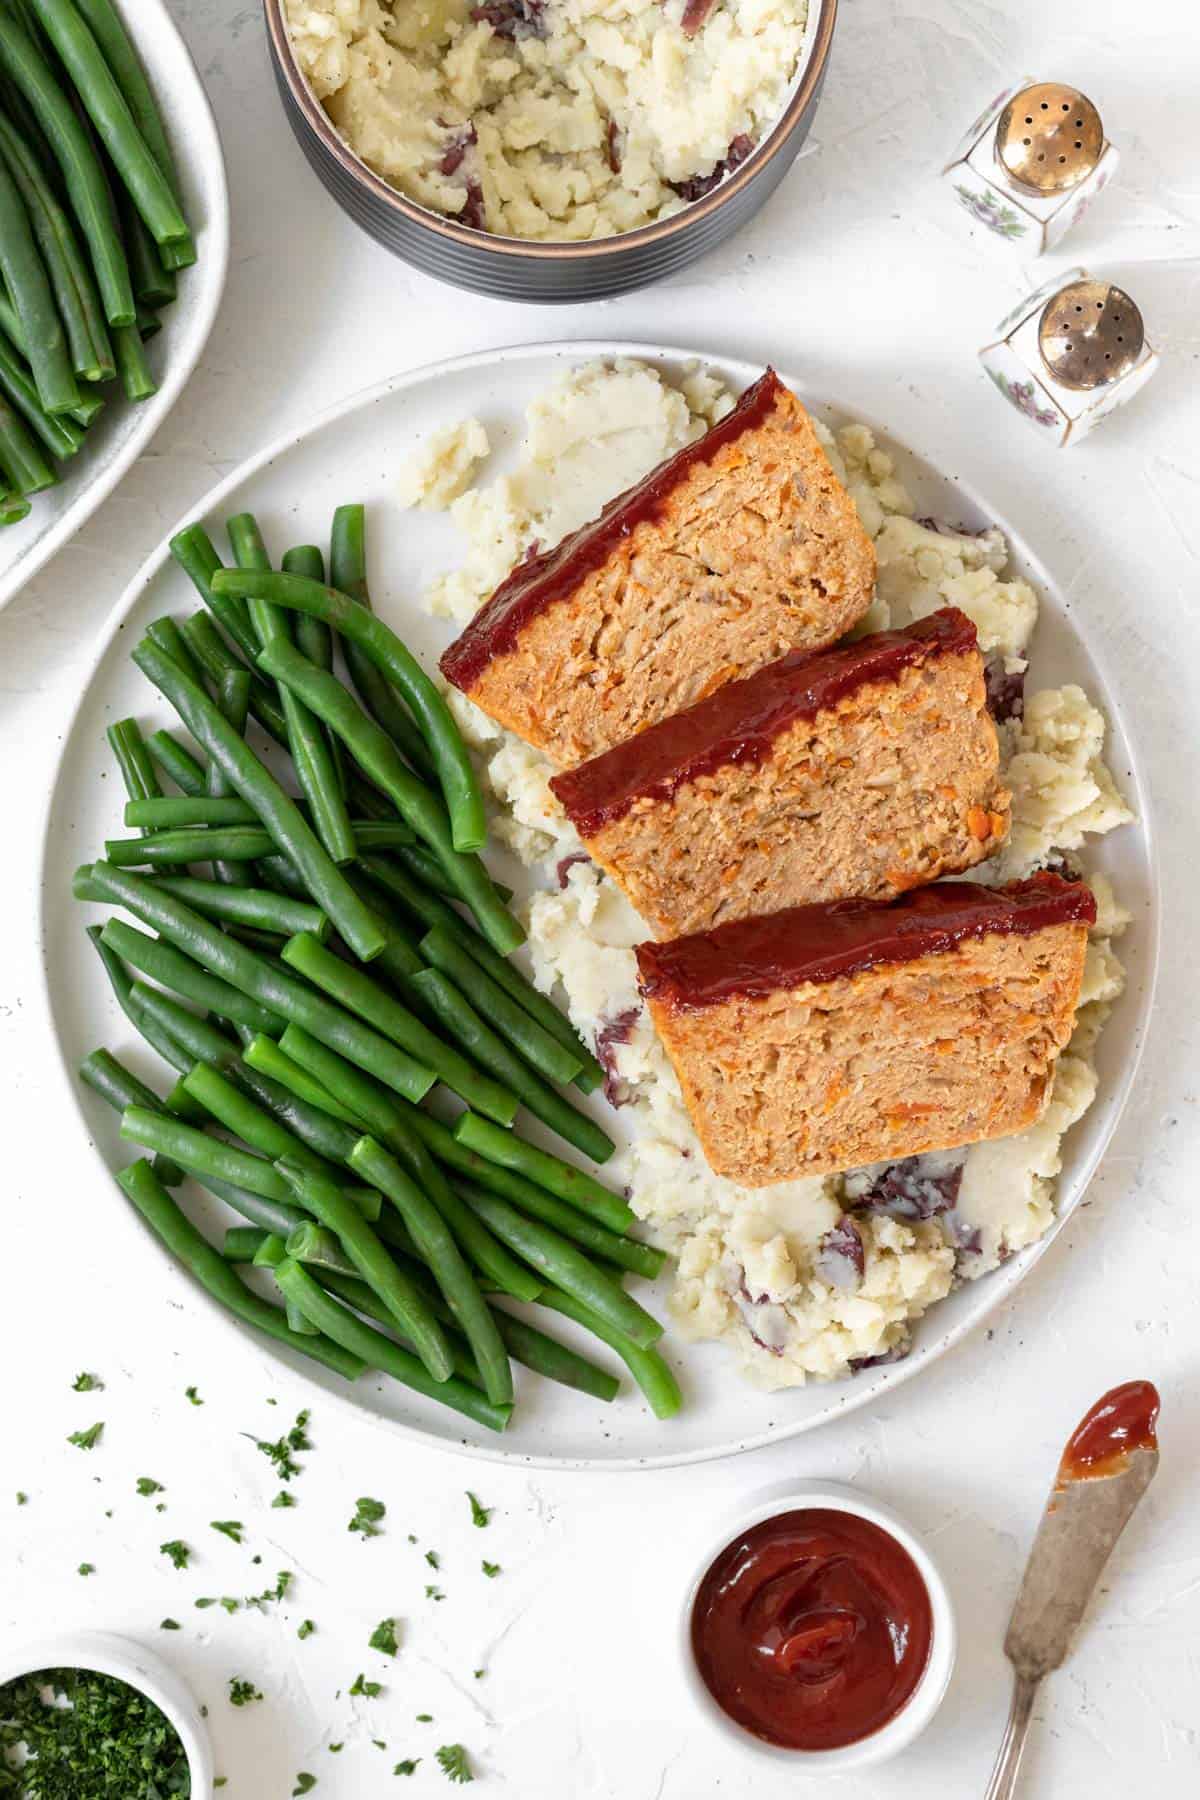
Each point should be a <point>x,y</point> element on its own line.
<point>434,1593</point>
<point>433,1559</point>
<point>480,1515</point>
<point>283,1582</point>
<point>282,1452</point>
<point>22,1499</point>
<point>383,1638</point>
<point>283,1498</point>
<point>106,1739</point>
<point>87,1568</point>
<point>193,1394</point>
<point>85,1383</point>
<point>178,1552</point>
<point>452,1760</point>
<point>230,1528</point>
<point>305,1629</point>
<point>370,1690</point>
<point>424,1718</point>
<point>491,1570</point>
<point>146,1485</point>
<point>305,1783</point>
<point>169,1625</point>
<point>242,1693</point>
<point>367,1517</point>
<point>87,1440</point>
<point>407,1767</point>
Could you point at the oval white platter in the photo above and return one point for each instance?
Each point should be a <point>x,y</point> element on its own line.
<point>123,431</point>
<point>355,453</point>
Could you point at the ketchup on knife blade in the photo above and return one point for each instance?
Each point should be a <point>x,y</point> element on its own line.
<point>812,1630</point>
<point>1122,1421</point>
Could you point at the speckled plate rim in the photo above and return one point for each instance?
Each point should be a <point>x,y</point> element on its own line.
<point>846,1395</point>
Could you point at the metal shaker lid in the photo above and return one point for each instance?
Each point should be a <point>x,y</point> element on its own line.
<point>1090,333</point>
<point>1049,137</point>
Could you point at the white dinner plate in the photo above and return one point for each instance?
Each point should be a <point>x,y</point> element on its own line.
<point>123,430</point>
<point>355,453</point>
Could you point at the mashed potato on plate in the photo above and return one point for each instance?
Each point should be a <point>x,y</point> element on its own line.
<point>764,1269</point>
<point>550,119</point>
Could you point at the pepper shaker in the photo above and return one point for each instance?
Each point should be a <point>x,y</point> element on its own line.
<point>1069,354</point>
<point>1032,163</point>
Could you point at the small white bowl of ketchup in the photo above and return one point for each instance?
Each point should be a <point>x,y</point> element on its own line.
<point>817,1630</point>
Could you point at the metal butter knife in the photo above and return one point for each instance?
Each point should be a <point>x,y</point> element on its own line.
<point>1107,1467</point>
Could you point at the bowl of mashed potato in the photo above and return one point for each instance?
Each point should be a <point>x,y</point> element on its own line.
<point>554,150</point>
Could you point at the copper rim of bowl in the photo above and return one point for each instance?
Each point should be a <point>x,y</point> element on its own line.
<point>322,127</point>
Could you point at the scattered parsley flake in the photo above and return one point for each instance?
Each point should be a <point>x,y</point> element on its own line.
<point>367,1516</point>
<point>280,1453</point>
<point>305,1629</point>
<point>452,1760</point>
<point>408,1766</point>
<point>305,1783</point>
<point>193,1395</point>
<point>283,1498</point>
<point>491,1570</point>
<point>95,1734</point>
<point>169,1625</point>
<point>479,1674</point>
<point>85,1383</point>
<point>22,1499</point>
<point>480,1515</point>
<point>146,1485</point>
<point>336,1749</point>
<point>424,1718</point>
<point>229,1603</point>
<point>178,1552</point>
<point>230,1528</point>
<point>383,1638</point>
<point>242,1693</point>
<point>370,1690</point>
<point>434,1593</point>
<point>433,1559</point>
<point>87,1568</point>
<point>87,1440</point>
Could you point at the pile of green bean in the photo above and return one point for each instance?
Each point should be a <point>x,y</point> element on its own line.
<point>345,963</point>
<point>92,232</point>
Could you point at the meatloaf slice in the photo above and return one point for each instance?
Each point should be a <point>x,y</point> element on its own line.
<point>859,771</point>
<point>739,548</point>
<point>828,1037</point>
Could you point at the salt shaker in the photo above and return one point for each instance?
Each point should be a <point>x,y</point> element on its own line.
<point>1069,354</point>
<point>1032,163</point>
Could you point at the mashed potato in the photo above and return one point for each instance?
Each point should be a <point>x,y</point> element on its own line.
<point>550,119</point>
<point>764,1269</point>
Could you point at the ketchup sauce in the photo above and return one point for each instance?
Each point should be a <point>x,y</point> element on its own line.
<point>1122,1421</point>
<point>813,1629</point>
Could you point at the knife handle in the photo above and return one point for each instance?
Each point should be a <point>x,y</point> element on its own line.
<point>1003,1784</point>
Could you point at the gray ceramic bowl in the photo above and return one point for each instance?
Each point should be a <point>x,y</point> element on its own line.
<point>512,269</point>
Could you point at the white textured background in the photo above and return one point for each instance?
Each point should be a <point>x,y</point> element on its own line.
<point>856,270</point>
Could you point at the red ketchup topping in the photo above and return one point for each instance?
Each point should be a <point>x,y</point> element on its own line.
<point>1121,1422</point>
<point>812,1630</point>
<point>739,723</point>
<point>755,957</point>
<point>556,573</point>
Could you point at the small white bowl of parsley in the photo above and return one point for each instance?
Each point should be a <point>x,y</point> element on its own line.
<point>89,1715</point>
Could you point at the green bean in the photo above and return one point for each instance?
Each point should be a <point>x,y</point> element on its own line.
<point>121,1088</point>
<point>464,802</point>
<point>315,640</point>
<point>436,1243</point>
<point>177,762</point>
<point>432,911</point>
<point>266,1215</point>
<point>233,702</point>
<point>265,1055</point>
<point>122,59</point>
<point>326,1136</point>
<point>67,269</point>
<point>30,72</point>
<point>407,1305</point>
<point>546,1356</point>
<point>543,1052</point>
<point>242,1242</point>
<point>338,1322</point>
<point>25,276</point>
<point>61,436</point>
<point>137,381</point>
<point>398,959</point>
<point>356,991</point>
<point>181,1104</point>
<point>158,814</point>
<point>232,842</point>
<point>27,469</point>
<point>191,1031</point>
<point>166,634</point>
<point>198,1256</point>
<point>558,1260</point>
<point>260,980</point>
<point>206,1156</point>
<point>275,808</point>
<point>121,985</point>
<point>90,402</point>
<point>193,550</point>
<point>647,1366</point>
<point>13,508</point>
<point>177,971</point>
<point>396,1125</point>
<point>153,283</point>
<point>249,1122</point>
<point>544,1170</point>
<point>375,753</point>
<point>218,661</point>
<point>460,1020</point>
<point>110,114</point>
<point>133,759</point>
<point>247,906</point>
<point>348,573</point>
<point>624,1252</point>
<point>357,1295</point>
